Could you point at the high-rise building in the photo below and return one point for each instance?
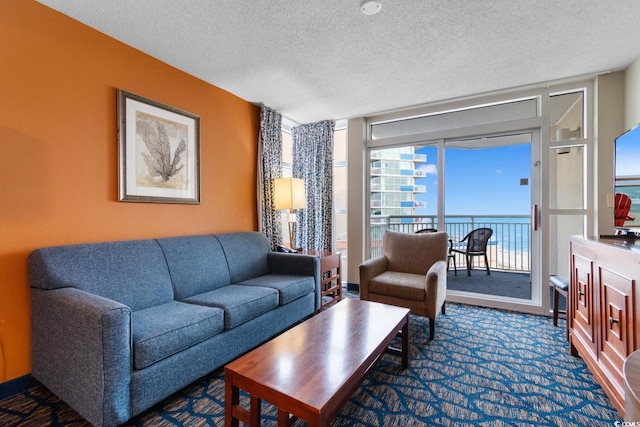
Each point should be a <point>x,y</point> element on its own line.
<point>393,183</point>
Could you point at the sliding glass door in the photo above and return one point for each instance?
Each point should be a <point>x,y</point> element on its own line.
<point>458,185</point>
<point>488,185</point>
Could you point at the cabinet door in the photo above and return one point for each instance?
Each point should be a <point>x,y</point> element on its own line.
<point>617,323</point>
<point>582,295</point>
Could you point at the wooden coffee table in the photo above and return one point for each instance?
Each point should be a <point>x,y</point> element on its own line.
<point>312,370</point>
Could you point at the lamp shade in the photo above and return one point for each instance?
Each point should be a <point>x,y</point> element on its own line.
<point>289,193</point>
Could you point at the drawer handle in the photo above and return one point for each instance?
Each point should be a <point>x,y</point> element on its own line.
<point>580,293</point>
<point>612,320</point>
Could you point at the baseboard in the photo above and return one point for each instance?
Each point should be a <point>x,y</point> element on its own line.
<point>16,386</point>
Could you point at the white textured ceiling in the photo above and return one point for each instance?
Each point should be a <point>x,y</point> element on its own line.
<point>324,59</point>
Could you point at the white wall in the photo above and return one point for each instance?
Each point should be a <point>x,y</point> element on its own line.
<point>632,95</point>
<point>356,210</point>
<point>609,123</point>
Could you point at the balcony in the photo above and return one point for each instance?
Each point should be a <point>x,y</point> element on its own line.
<point>508,248</point>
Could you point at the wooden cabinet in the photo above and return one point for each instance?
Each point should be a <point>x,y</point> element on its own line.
<point>604,308</point>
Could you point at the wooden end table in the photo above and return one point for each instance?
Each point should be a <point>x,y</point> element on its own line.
<point>312,370</point>
<point>330,272</point>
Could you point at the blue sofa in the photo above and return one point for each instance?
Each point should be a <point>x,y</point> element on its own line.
<point>119,326</point>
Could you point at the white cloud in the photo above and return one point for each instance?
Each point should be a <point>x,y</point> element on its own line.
<point>499,171</point>
<point>429,169</point>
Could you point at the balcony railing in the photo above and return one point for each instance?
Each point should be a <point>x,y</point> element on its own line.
<point>508,248</point>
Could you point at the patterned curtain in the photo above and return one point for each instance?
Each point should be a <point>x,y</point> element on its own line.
<point>313,162</point>
<point>269,168</point>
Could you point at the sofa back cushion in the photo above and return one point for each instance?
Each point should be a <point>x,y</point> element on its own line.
<point>133,273</point>
<point>197,264</point>
<point>414,252</point>
<point>246,253</point>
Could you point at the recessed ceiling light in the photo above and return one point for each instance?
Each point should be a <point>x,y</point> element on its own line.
<point>370,7</point>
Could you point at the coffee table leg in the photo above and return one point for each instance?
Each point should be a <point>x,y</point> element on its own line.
<point>283,418</point>
<point>405,345</point>
<point>254,417</point>
<point>231,399</point>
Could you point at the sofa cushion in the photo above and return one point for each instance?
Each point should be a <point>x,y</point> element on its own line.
<point>246,253</point>
<point>289,287</point>
<point>196,263</point>
<point>240,303</point>
<point>133,273</point>
<point>161,331</point>
<point>400,285</point>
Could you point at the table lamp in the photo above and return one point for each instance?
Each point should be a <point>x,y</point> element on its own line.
<point>290,195</point>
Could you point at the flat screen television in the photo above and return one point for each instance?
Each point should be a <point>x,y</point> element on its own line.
<point>627,178</point>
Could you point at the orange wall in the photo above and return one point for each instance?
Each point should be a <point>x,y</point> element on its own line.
<point>58,152</point>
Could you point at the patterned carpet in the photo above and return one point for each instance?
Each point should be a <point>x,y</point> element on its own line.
<point>485,368</point>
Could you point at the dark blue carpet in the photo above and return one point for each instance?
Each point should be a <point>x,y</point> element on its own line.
<point>485,368</point>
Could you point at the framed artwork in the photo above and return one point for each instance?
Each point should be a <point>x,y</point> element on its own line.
<point>159,152</point>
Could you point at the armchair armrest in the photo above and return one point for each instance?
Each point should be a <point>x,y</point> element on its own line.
<point>297,264</point>
<point>81,350</point>
<point>368,270</point>
<point>436,284</point>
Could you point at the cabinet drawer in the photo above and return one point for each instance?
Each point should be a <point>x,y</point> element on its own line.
<point>583,325</point>
<point>617,324</point>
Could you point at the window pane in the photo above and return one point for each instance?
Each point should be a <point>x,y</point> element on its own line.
<point>340,146</point>
<point>397,184</point>
<point>567,116</point>
<point>403,191</point>
<point>287,152</point>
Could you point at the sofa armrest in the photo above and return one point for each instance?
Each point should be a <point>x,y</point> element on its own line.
<point>298,265</point>
<point>436,284</point>
<point>81,350</point>
<point>368,270</point>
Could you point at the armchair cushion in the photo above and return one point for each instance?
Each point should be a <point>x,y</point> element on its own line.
<point>400,285</point>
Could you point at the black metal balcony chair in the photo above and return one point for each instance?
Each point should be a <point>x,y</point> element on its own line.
<point>476,246</point>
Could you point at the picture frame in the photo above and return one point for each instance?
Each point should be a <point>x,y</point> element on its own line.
<point>159,151</point>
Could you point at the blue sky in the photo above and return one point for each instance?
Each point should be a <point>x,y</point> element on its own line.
<point>479,182</point>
